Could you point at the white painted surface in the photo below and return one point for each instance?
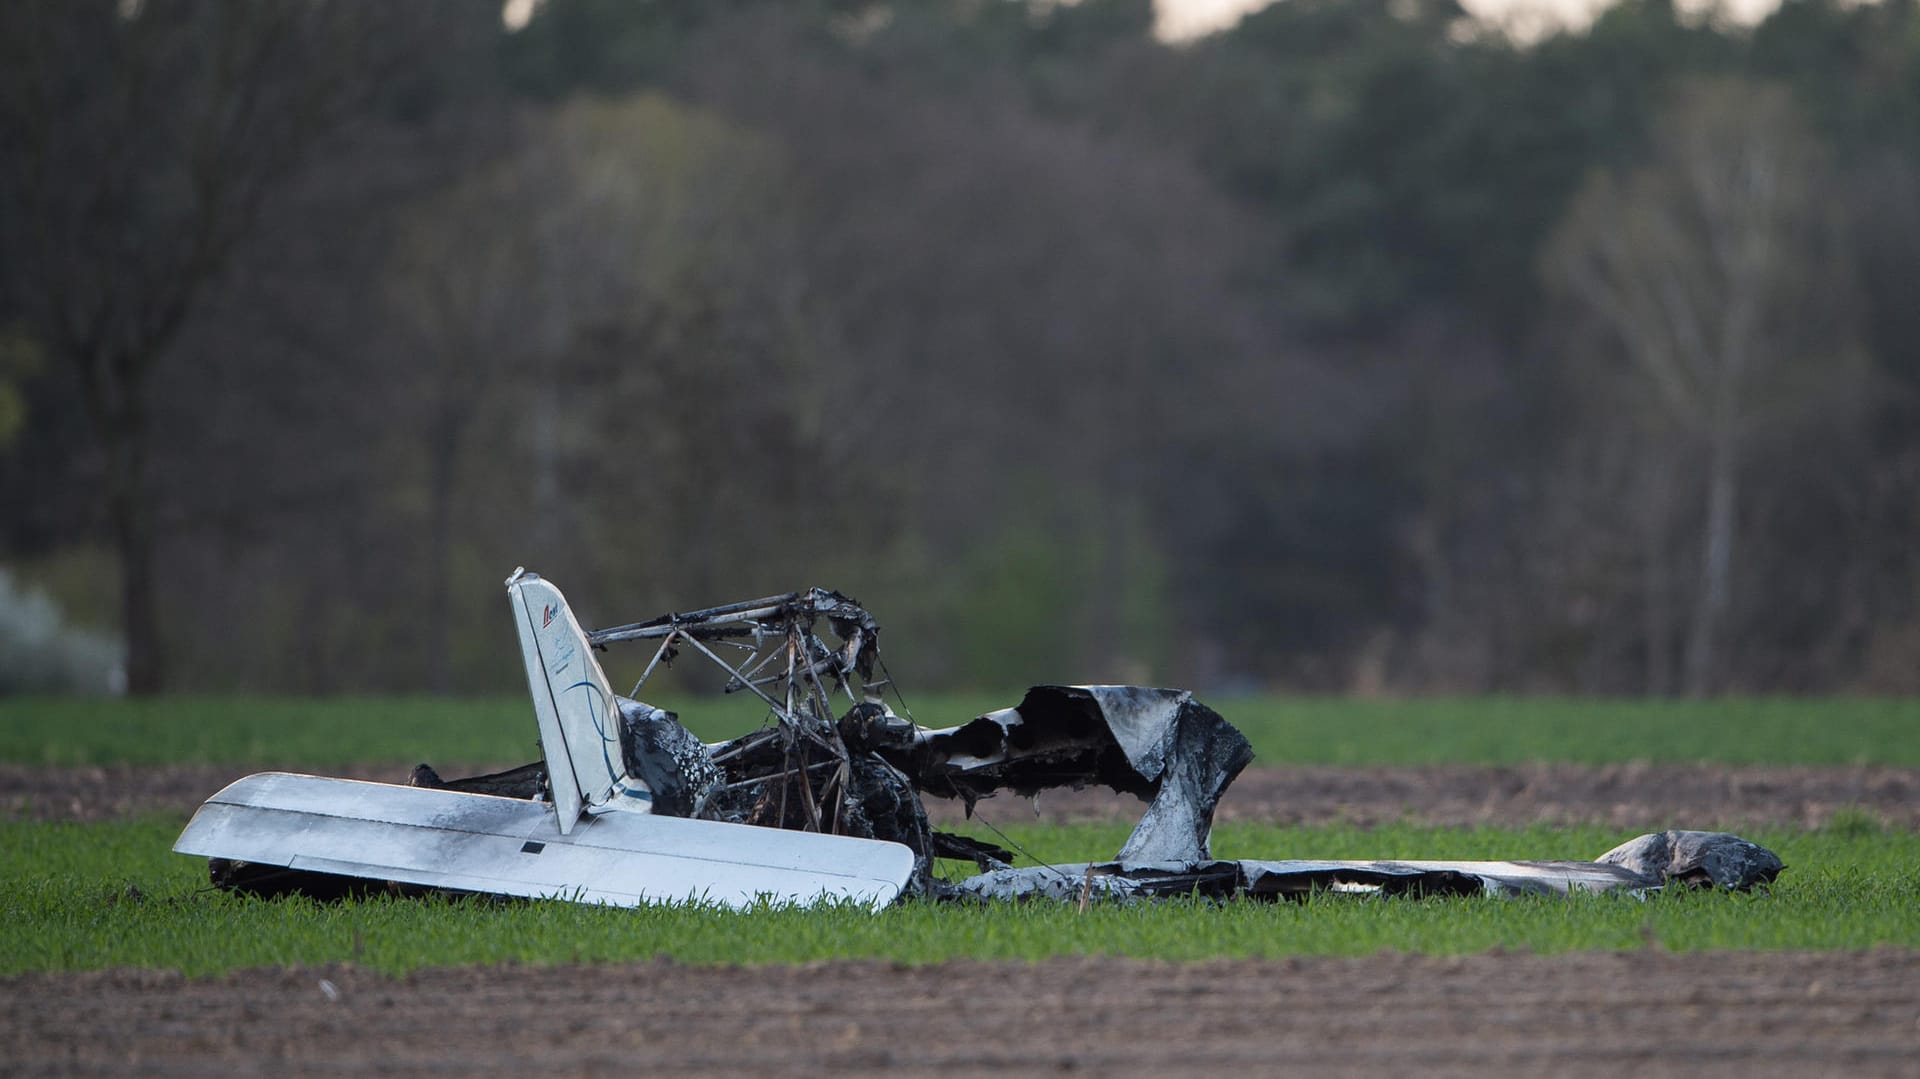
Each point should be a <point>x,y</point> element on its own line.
<point>573,704</point>
<point>504,846</point>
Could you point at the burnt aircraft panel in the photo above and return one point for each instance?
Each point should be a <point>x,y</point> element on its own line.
<point>1657,860</point>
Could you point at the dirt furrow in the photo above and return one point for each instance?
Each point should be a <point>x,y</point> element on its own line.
<point>1647,1012</point>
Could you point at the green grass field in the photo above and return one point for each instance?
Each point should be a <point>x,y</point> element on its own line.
<point>110,895</point>
<point>81,896</point>
<point>287,732</point>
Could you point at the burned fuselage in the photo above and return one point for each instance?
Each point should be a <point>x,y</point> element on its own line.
<point>835,758</point>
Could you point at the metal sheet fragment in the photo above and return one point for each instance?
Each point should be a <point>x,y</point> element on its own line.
<point>1702,859</point>
<point>1649,862</point>
<point>1159,744</point>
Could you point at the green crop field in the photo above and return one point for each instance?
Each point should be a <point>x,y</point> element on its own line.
<point>290,732</point>
<point>79,896</point>
<point>82,896</point>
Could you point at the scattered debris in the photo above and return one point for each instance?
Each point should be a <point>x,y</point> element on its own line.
<point>809,804</point>
<point>1697,859</point>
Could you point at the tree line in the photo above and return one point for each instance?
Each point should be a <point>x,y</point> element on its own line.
<point>1357,347</point>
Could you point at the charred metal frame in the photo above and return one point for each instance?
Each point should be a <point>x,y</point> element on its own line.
<point>805,770</point>
<point>788,620</point>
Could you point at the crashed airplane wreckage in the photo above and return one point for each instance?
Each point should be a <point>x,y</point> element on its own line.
<point>629,807</point>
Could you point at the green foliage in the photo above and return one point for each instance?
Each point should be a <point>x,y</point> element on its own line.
<point>1505,730</point>
<point>1852,822</point>
<point>21,357</point>
<point>110,895</point>
<point>607,46</point>
<point>703,298</point>
<point>1009,613</point>
<point>293,732</point>
<point>1082,588</point>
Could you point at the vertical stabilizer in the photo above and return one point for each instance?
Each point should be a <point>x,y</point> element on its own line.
<point>579,724</point>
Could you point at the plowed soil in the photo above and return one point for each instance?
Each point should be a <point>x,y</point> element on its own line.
<point>1647,797</point>
<point>1642,1013</point>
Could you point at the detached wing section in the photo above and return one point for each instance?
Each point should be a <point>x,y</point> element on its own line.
<point>504,846</point>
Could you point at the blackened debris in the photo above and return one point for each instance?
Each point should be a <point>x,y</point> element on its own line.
<point>529,781</point>
<point>871,726</point>
<point>788,618</point>
<point>675,765</point>
<point>986,856</point>
<point>1657,860</point>
<point>1157,744</point>
<point>863,774</point>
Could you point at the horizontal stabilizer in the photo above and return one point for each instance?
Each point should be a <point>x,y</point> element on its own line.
<point>504,846</point>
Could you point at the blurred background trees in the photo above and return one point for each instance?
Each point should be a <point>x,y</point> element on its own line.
<point>1719,271</point>
<point>1356,347</point>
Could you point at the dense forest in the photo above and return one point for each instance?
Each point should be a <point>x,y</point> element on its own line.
<point>1357,347</point>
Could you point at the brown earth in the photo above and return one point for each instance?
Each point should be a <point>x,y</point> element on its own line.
<point>1648,797</point>
<point>1648,1012</point>
<point>128,790</point>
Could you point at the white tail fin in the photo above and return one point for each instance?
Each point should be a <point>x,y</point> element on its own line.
<point>579,724</point>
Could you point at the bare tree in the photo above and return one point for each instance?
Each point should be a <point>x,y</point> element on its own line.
<point>1713,271</point>
<point>579,256</point>
<point>141,141</point>
<point>460,277</point>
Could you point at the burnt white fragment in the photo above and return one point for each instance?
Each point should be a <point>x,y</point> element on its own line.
<point>1271,880</point>
<point>1700,859</point>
